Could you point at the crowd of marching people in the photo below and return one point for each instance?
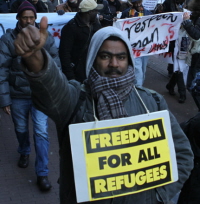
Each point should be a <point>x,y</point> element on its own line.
<point>39,80</point>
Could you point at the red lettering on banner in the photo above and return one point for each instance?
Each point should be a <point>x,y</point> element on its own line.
<point>137,53</point>
<point>171,32</point>
<point>159,46</point>
<point>129,22</point>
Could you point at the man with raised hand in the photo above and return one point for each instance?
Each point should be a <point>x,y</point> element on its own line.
<point>109,94</point>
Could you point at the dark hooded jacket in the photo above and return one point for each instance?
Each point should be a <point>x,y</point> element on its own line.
<point>59,102</point>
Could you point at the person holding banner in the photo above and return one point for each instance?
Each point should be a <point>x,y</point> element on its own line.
<point>191,24</point>
<point>109,93</point>
<point>15,96</point>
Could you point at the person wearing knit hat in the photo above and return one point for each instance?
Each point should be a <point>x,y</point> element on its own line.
<point>15,97</point>
<point>26,5</point>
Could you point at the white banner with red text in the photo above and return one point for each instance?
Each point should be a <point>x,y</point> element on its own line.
<point>151,34</point>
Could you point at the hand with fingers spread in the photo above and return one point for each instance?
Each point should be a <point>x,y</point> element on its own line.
<point>28,44</point>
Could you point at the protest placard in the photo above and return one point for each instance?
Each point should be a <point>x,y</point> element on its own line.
<point>122,156</point>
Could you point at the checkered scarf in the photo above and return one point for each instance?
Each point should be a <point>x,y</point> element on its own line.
<point>110,92</point>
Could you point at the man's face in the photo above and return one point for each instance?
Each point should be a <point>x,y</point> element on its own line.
<point>112,59</point>
<point>26,18</point>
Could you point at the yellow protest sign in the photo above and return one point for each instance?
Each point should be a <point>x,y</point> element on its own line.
<point>127,158</point>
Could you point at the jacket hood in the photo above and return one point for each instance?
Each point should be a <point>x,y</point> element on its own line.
<point>97,40</point>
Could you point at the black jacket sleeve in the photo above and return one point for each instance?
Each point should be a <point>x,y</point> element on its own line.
<point>191,29</point>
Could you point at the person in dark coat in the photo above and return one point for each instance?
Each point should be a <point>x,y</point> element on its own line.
<point>75,39</point>
<point>110,94</point>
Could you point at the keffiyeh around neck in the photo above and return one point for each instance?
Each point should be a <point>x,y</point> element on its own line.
<point>110,92</point>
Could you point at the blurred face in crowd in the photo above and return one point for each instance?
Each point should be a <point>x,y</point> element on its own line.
<point>93,15</point>
<point>112,59</point>
<point>26,18</point>
<point>138,6</point>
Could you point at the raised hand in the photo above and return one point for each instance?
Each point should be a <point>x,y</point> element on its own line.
<point>28,44</point>
<point>31,39</point>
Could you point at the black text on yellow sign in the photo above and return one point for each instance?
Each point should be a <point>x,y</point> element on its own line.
<point>130,182</point>
<point>127,159</point>
<point>98,140</point>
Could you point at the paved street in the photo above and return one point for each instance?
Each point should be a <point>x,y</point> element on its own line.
<point>18,186</point>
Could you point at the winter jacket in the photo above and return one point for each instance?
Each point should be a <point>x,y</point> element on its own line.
<point>13,83</point>
<point>5,6</point>
<point>74,42</point>
<point>59,101</point>
<point>40,6</point>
